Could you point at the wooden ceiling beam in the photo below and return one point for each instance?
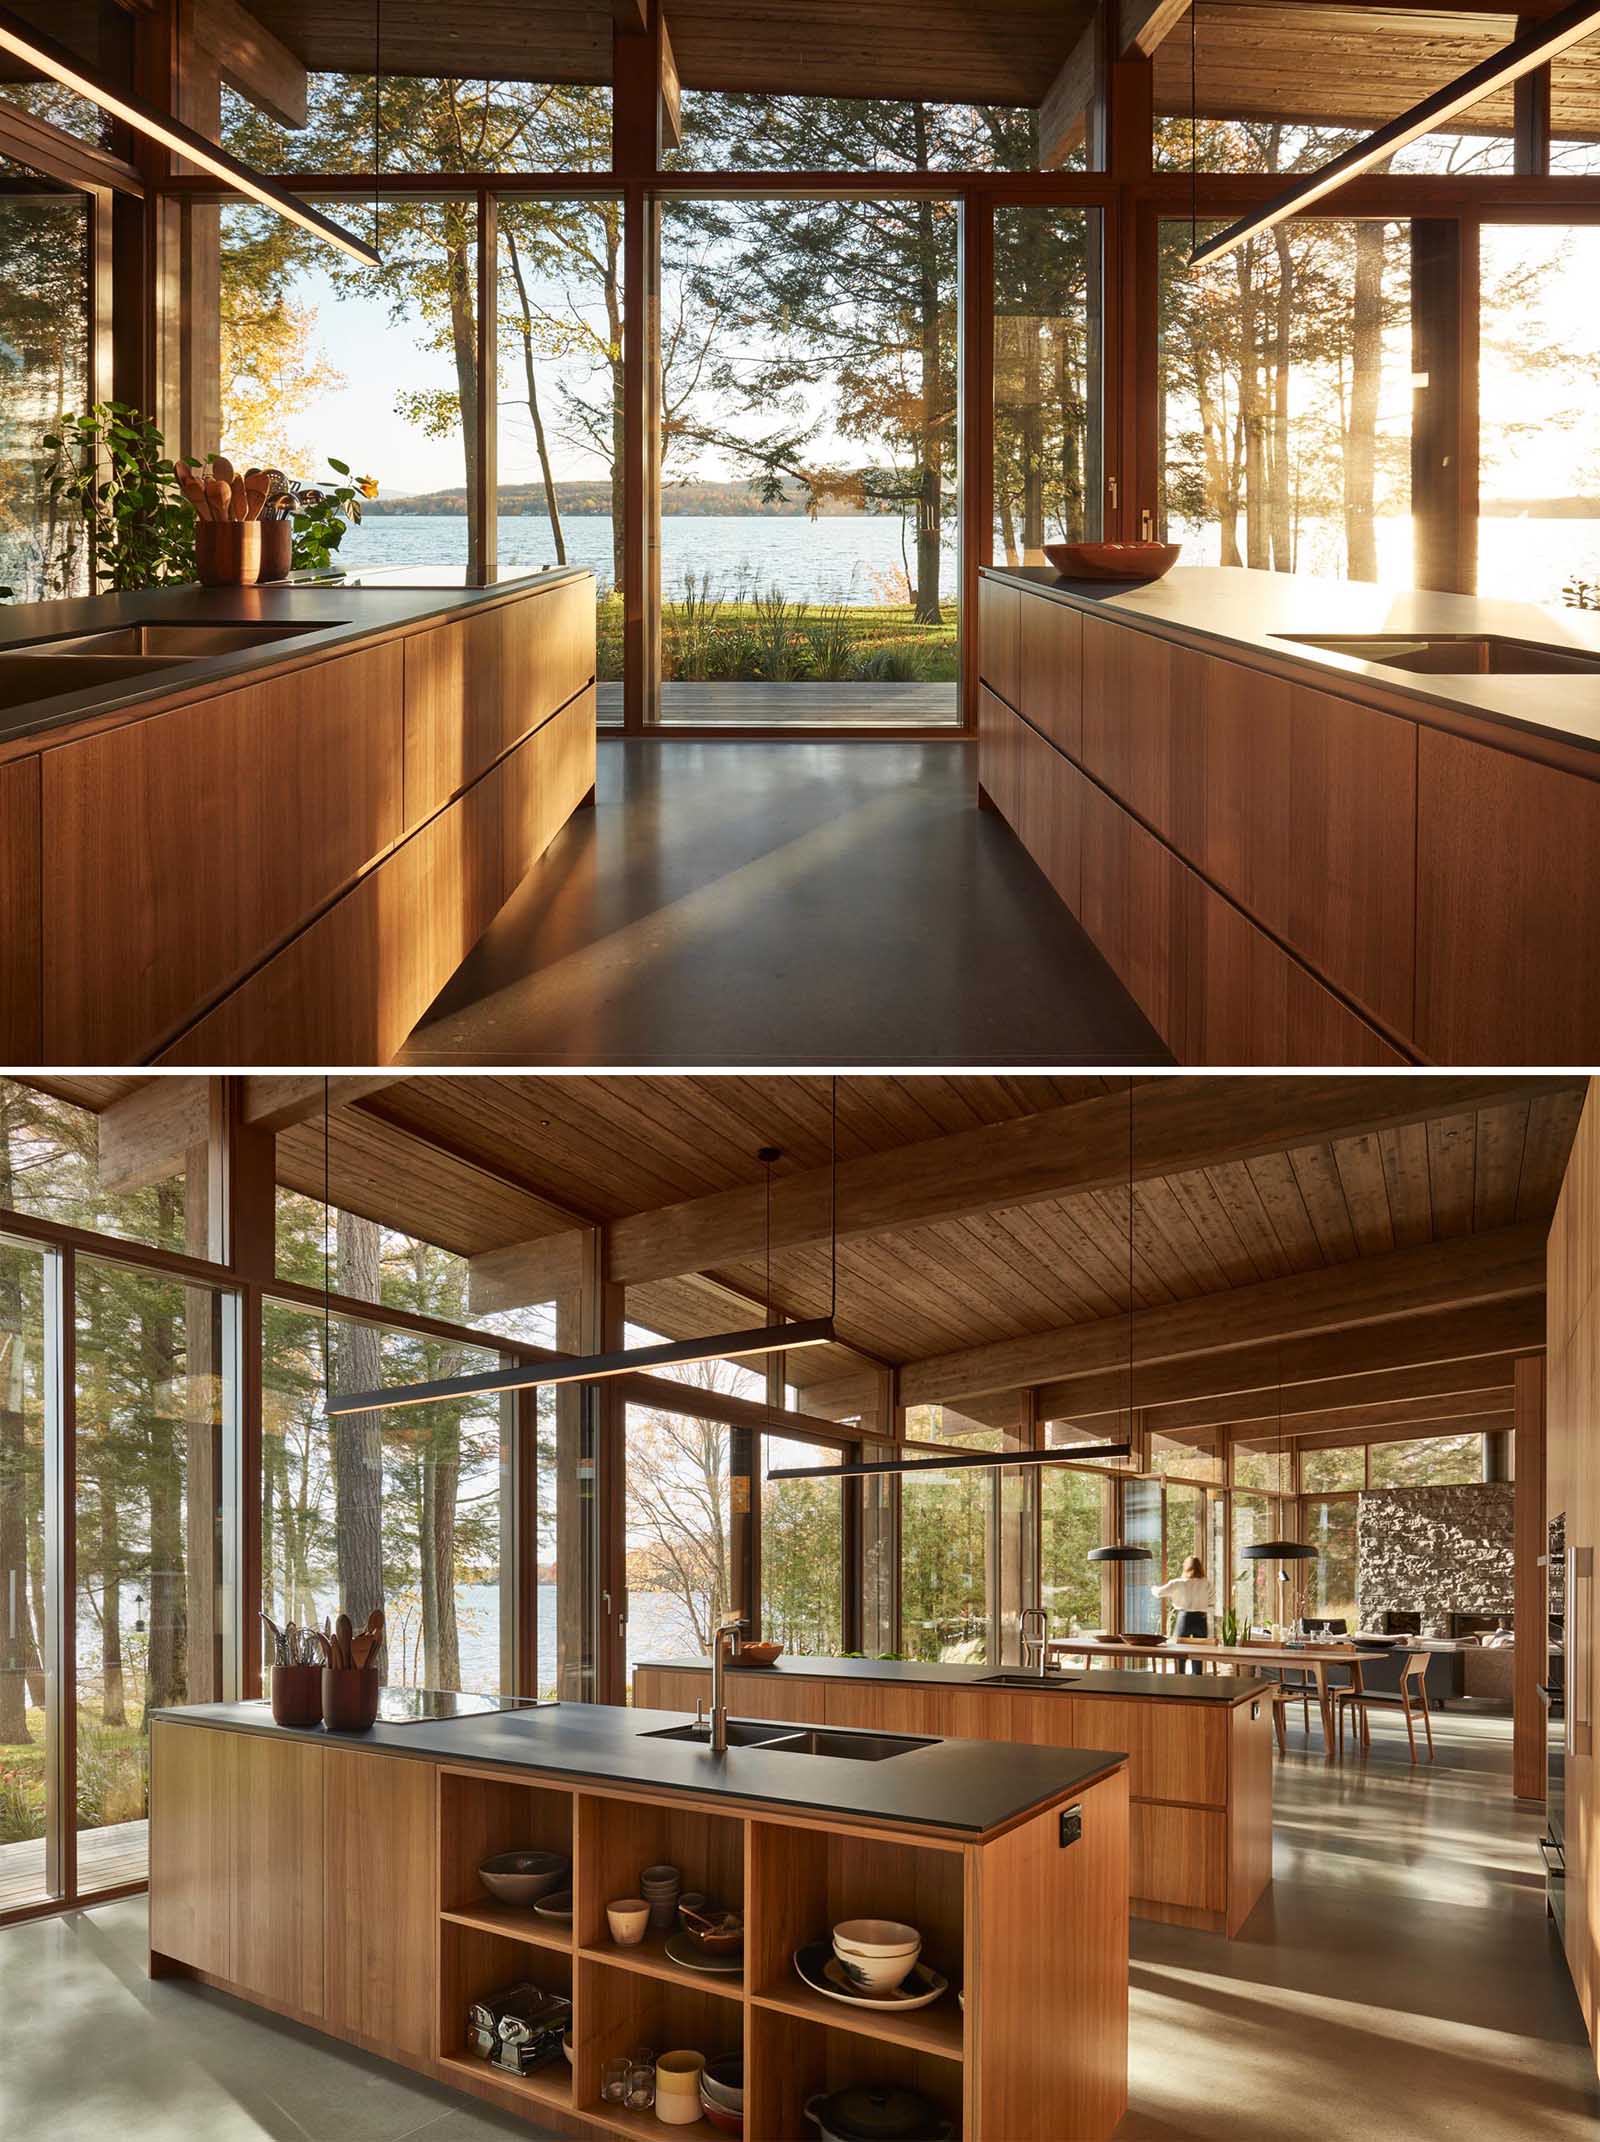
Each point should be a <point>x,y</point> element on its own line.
<point>1144,24</point>
<point>147,1135</point>
<point>1377,1387</point>
<point>1065,107</point>
<point>1497,1265</point>
<point>1426,1416</point>
<point>273,1101</point>
<point>1443,1335</point>
<point>252,60</point>
<point>1179,1124</point>
<point>667,1395</point>
<point>1475,1424</point>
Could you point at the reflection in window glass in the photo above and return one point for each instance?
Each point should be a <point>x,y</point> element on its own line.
<point>1141,1527</point>
<point>1071,1515</point>
<point>1198,1455</point>
<point>44,374</point>
<point>1047,486</point>
<point>1325,1469</point>
<point>1255,1584</point>
<point>152,1378</point>
<point>1428,1461</point>
<point>1262,1465</point>
<point>1268,145</point>
<point>947,1424</point>
<point>678,1518</point>
<point>944,1558</point>
<point>1286,389</point>
<point>1538,434</point>
<point>1330,1581</point>
<point>406,1510</point>
<point>743,132</point>
<point>428,123</point>
<point>28,1723</point>
<point>51,1169</point>
<point>808,523</point>
<point>802,1552</point>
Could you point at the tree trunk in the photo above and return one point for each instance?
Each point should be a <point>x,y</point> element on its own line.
<point>619,406</point>
<point>357,1437</point>
<point>1360,446</point>
<point>1283,331</point>
<point>464,341</point>
<point>114,1697</point>
<point>166,1679</point>
<point>551,503</point>
<point>1257,552</point>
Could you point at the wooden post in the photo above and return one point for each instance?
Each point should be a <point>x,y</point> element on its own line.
<point>484,506</point>
<point>976,301</point>
<point>1528,1579</point>
<point>1444,422</point>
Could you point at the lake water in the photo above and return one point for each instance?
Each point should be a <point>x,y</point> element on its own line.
<point>857,559</point>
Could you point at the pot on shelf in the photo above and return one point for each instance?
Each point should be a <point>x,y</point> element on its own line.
<point>864,2112</point>
<point>350,1698</point>
<point>297,1695</point>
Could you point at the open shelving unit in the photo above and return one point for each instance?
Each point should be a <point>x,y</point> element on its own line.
<point>793,1882</point>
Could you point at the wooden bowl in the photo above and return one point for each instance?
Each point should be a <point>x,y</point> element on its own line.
<point>1135,563</point>
<point>1128,1637</point>
<point>763,1654</point>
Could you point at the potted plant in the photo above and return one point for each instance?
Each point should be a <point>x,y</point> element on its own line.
<point>110,465</point>
<point>321,514</point>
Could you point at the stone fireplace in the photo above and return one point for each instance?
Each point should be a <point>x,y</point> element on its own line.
<point>1441,1554</point>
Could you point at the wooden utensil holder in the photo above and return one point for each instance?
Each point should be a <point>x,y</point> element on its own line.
<point>227,554</point>
<point>297,1695</point>
<point>350,1698</point>
<point>277,548</point>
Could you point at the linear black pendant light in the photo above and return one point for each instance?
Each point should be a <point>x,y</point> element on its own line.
<point>1539,43</point>
<point>768,1338</point>
<point>1278,1550</point>
<point>1126,1550</point>
<point>57,64</point>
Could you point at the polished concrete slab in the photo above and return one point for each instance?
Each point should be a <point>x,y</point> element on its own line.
<point>1399,1980</point>
<point>785,903</point>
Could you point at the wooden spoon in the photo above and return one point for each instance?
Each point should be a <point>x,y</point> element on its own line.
<point>256,492</point>
<point>222,468</point>
<point>219,496</point>
<point>343,1632</point>
<point>195,493</point>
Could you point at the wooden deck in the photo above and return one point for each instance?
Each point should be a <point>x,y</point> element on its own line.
<point>106,1858</point>
<point>780,706</point>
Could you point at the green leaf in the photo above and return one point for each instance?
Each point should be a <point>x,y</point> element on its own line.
<point>343,467</point>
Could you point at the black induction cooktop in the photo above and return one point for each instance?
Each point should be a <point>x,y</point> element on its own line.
<point>428,1706</point>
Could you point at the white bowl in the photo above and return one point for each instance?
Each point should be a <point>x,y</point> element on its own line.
<point>877,1974</point>
<point>875,1937</point>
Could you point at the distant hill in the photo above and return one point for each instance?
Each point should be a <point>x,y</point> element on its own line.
<point>1541,509</point>
<point>580,499</point>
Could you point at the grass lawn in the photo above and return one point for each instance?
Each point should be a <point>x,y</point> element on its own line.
<point>111,1764</point>
<point>772,640</point>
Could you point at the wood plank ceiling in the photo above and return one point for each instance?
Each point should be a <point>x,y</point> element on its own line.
<point>1293,60</point>
<point>479,1163</point>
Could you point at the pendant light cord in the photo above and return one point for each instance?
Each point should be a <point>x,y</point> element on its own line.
<point>327,1266</point>
<point>1194,138</point>
<point>833,1199</point>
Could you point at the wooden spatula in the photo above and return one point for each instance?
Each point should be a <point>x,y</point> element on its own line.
<point>344,1630</point>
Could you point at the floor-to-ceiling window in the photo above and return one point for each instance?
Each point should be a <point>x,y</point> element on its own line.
<point>155,1468</point>
<point>1048,480</point>
<point>803,1571</point>
<point>1142,1612</point>
<point>945,1528</point>
<point>1328,1523</point>
<point>45,325</point>
<point>1072,1521</point>
<point>30,1871</point>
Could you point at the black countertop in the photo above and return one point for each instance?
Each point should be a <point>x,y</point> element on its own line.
<point>339,614</point>
<point>918,1673</point>
<point>1239,612</point>
<point>967,1786</point>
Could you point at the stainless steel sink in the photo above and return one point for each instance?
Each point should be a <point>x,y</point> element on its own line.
<point>1029,1680</point>
<point>851,1747</point>
<point>742,1733</point>
<point>1454,654</point>
<point>27,677</point>
<point>173,638</point>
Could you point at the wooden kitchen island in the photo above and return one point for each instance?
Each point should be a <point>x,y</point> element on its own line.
<point>1199,1752</point>
<point>1374,851</point>
<point>266,825</point>
<point>332,1879</point>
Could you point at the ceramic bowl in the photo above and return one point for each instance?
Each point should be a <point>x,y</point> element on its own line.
<point>721,2117</point>
<point>519,1877</point>
<point>878,1974</point>
<point>723,2082</point>
<point>566,2043</point>
<point>875,1937</point>
<point>719,1933</point>
<point>627,1918</point>
<point>660,1877</point>
<point>1129,562</point>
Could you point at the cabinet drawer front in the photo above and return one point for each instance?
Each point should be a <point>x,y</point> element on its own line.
<point>192,1793</point>
<point>1178,1855</point>
<point>1176,1750</point>
<point>999,629</point>
<point>1050,670</point>
<point>178,851</point>
<point>20,976</point>
<point>381,1867</point>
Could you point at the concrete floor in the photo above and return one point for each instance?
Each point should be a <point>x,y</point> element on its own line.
<point>794,903</point>
<point>1398,1981</point>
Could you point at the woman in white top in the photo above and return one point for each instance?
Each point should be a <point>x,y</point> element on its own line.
<point>1190,1595</point>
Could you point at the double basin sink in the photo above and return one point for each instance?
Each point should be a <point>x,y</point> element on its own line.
<point>1454,654</point>
<point>82,660</point>
<point>798,1740</point>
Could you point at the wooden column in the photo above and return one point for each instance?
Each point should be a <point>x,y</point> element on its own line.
<point>1444,421</point>
<point>644,115</point>
<point>1531,115</point>
<point>485,506</point>
<point>1528,1579</point>
<point>591,1551</point>
<point>976,301</point>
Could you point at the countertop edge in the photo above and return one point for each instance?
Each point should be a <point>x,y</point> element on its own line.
<point>1224,1690</point>
<point>1365,684</point>
<point>199,678</point>
<point>1099,1764</point>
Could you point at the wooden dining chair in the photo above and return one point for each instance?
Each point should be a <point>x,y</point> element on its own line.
<point>1284,1692</point>
<point>1410,1700</point>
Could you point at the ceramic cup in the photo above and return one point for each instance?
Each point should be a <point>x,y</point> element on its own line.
<point>628,1917</point>
<point>678,2088</point>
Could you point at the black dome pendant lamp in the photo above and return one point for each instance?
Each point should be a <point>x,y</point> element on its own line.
<point>1121,1550</point>
<point>1278,1550</point>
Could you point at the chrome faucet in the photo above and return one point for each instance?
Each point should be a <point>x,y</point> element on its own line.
<point>1035,1619</point>
<point>733,1626</point>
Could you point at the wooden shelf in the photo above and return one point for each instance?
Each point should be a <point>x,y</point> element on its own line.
<point>624,2121</point>
<point>938,2029</point>
<point>650,1960</point>
<point>513,1924</point>
<point>551,2085</point>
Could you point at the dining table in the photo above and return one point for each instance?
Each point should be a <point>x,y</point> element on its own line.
<point>1315,1659</point>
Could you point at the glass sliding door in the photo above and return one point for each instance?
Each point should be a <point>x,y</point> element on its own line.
<point>678,1530</point>
<point>154,1397</point>
<point>808,477</point>
<point>945,1531</point>
<point>1072,1521</point>
<point>1141,1527</point>
<point>30,1726</point>
<point>1048,485</point>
